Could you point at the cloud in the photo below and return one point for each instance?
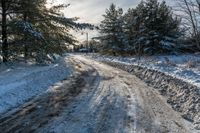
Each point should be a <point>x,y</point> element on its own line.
<point>91,11</point>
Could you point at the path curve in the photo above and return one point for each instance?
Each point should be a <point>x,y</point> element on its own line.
<point>100,99</point>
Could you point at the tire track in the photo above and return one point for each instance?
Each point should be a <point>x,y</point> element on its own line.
<point>41,110</point>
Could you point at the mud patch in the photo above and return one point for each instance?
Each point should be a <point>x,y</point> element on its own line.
<point>43,109</point>
<point>182,96</point>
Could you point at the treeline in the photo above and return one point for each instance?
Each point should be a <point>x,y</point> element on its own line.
<point>32,30</point>
<point>150,28</point>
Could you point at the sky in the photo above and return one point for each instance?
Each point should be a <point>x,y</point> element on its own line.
<point>91,11</point>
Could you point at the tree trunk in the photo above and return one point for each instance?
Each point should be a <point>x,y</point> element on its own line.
<point>25,36</point>
<point>195,30</point>
<point>4,32</point>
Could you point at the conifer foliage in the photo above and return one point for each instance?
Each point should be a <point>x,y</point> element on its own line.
<point>112,30</point>
<point>34,30</point>
<point>150,28</point>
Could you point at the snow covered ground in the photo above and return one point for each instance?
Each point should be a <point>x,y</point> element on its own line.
<point>20,82</point>
<point>184,67</point>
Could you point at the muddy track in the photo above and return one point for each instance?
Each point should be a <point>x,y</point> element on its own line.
<point>42,109</point>
<point>99,99</point>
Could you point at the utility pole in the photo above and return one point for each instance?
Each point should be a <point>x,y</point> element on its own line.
<point>87,40</point>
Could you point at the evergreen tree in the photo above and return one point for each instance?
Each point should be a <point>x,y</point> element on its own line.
<point>150,28</point>
<point>134,27</point>
<point>6,9</point>
<point>160,28</point>
<point>38,31</point>
<point>112,30</point>
<point>24,28</point>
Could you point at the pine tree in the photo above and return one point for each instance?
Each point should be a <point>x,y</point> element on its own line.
<point>161,28</point>
<point>152,28</point>
<point>23,25</point>
<point>38,31</point>
<point>4,30</point>
<point>6,11</point>
<point>52,29</point>
<point>112,30</point>
<point>134,28</point>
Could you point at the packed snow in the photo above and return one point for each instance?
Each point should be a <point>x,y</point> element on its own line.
<point>20,82</point>
<point>184,67</point>
<point>29,28</point>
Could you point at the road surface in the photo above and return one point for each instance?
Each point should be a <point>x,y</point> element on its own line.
<point>98,99</point>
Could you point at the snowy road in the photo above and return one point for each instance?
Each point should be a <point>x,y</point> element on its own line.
<point>98,99</point>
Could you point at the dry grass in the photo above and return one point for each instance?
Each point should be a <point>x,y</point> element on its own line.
<point>169,63</point>
<point>191,64</point>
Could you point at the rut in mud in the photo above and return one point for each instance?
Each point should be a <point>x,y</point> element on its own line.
<point>43,109</point>
<point>99,99</point>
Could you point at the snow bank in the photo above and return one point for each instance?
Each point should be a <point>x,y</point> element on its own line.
<point>20,83</point>
<point>173,76</point>
<point>175,66</point>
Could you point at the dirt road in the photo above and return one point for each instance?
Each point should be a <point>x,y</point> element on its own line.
<point>98,99</point>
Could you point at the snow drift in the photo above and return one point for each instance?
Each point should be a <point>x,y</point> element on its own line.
<point>20,83</point>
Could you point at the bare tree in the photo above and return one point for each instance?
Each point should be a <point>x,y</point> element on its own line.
<point>198,2</point>
<point>189,10</point>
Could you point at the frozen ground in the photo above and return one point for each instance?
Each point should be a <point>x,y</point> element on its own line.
<point>98,99</point>
<point>20,82</point>
<point>185,67</point>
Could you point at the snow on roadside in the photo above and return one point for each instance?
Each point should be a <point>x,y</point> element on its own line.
<point>19,83</point>
<point>176,66</point>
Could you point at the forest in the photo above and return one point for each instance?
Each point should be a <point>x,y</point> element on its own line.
<point>152,28</point>
<point>33,30</point>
